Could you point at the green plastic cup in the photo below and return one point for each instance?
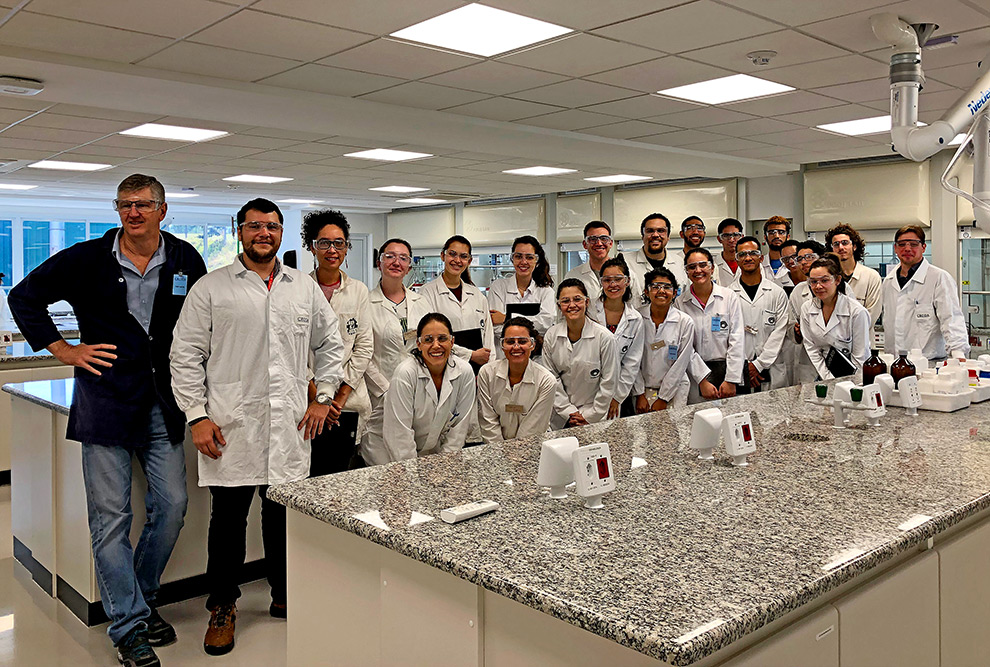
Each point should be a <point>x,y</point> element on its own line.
<point>856,394</point>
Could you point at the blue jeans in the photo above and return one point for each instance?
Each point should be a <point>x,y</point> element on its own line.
<point>129,577</point>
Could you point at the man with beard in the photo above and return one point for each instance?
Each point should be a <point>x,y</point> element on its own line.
<point>776,231</point>
<point>598,243</point>
<point>240,373</point>
<point>692,233</point>
<point>655,230</point>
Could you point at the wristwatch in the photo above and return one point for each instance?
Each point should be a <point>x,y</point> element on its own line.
<point>324,399</point>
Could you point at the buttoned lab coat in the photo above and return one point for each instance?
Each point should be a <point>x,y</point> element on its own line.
<point>639,265</point>
<point>417,422</point>
<point>766,323</point>
<point>353,309</point>
<point>668,377</point>
<point>781,276</point>
<point>392,343</point>
<point>925,314</point>
<point>504,291</point>
<point>728,343</point>
<point>802,370</point>
<point>865,286</point>
<point>586,371</point>
<point>589,277</point>
<point>724,275</point>
<point>628,343</point>
<point>471,312</point>
<point>521,411</point>
<point>848,330</point>
<point>240,356</point>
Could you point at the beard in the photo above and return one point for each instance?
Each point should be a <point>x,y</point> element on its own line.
<point>256,255</point>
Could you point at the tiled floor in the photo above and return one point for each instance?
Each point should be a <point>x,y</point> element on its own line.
<point>37,630</point>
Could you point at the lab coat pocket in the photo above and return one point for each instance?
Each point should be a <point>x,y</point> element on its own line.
<point>348,326</point>
<point>769,319</point>
<point>225,404</point>
<point>924,318</point>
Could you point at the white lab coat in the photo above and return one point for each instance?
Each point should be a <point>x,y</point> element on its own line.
<point>629,336</point>
<point>766,324</point>
<point>802,370</point>
<point>724,275</point>
<point>393,343</point>
<point>728,342</point>
<point>504,291</point>
<point>471,312</point>
<point>586,371</point>
<point>865,286</point>
<point>639,265</point>
<point>417,422</point>
<point>925,314</point>
<point>589,277</point>
<point>669,379</point>
<point>848,330</point>
<point>350,303</point>
<point>530,401</point>
<point>6,319</point>
<point>240,356</point>
<point>781,276</point>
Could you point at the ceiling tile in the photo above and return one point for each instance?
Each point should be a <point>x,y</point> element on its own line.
<point>581,15</point>
<point>726,144</point>
<point>575,93</point>
<point>768,153</point>
<point>791,137</point>
<point>792,48</point>
<point>330,80</point>
<point>679,138</point>
<point>379,18</point>
<point>831,115</point>
<point>643,106</point>
<point>47,33</point>
<point>175,18</point>
<point>689,26</point>
<point>136,143</point>
<point>828,72</point>
<point>832,144</point>
<point>748,128</point>
<point>973,45</point>
<point>75,137</point>
<point>798,100</point>
<point>660,74</point>
<point>278,36</point>
<point>799,13</point>
<point>962,76</point>
<point>702,117</point>
<point>495,78</point>
<point>572,119</point>
<point>249,141</point>
<point>628,129</point>
<point>216,61</point>
<point>275,133</point>
<point>390,58</point>
<point>205,124</point>
<point>424,96</point>
<point>211,148</point>
<point>8,116</point>
<point>581,55</point>
<point>295,157</point>
<point>105,114</point>
<point>61,121</point>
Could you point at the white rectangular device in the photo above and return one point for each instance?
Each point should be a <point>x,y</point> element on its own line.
<point>468,511</point>
<point>704,432</point>
<point>910,395</point>
<point>737,430</point>
<point>593,473</point>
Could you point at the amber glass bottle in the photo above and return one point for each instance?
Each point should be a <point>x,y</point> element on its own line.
<point>902,368</point>
<point>873,367</point>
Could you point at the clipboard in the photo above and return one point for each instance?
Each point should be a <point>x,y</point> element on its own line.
<point>525,309</point>
<point>838,364</point>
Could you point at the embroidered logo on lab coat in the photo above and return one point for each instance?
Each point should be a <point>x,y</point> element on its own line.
<point>723,324</point>
<point>302,319</point>
<point>595,372</point>
<point>352,326</point>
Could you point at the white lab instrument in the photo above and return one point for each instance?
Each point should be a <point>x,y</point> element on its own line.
<point>705,432</point>
<point>459,513</point>
<point>873,399</point>
<point>592,465</point>
<point>927,397</point>
<point>910,396</point>
<point>847,398</point>
<point>556,467</point>
<point>6,338</point>
<point>737,430</point>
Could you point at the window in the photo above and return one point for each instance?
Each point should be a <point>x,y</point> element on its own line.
<point>98,229</point>
<point>7,252</point>
<point>37,244</point>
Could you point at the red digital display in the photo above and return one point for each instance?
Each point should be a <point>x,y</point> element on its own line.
<point>879,401</point>
<point>602,468</point>
<point>747,436</point>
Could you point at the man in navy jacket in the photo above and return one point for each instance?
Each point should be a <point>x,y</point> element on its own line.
<point>126,289</point>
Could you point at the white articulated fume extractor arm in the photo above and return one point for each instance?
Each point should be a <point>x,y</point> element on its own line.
<point>968,114</point>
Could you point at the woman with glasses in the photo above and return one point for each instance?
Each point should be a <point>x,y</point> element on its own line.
<point>395,312</point>
<point>515,395</point>
<point>528,293</point>
<point>326,234</point>
<point>834,326</point>
<point>428,405</point>
<point>582,357</point>
<point>802,370</point>
<point>667,347</point>
<point>719,336</point>
<point>614,310</point>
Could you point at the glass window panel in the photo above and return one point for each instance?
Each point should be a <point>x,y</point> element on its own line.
<point>7,252</point>
<point>36,244</point>
<point>221,246</point>
<point>98,229</point>
<point>74,233</point>
<point>193,234</point>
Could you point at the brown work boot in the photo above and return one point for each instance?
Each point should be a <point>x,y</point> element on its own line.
<point>220,633</point>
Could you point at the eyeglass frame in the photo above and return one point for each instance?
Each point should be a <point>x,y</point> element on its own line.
<point>136,203</point>
<point>269,226</point>
<point>338,244</point>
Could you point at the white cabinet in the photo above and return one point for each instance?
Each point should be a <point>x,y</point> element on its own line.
<point>964,566</point>
<point>811,642</point>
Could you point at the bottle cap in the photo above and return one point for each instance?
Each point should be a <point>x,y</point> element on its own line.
<point>903,353</point>
<point>972,373</point>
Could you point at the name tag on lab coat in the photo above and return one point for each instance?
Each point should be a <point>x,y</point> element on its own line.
<point>717,323</point>
<point>179,284</point>
<point>658,345</point>
<point>512,407</point>
<point>672,353</point>
<point>409,335</point>
<point>752,330</point>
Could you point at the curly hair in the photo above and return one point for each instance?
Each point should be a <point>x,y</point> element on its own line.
<point>317,220</point>
<point>859,248</point>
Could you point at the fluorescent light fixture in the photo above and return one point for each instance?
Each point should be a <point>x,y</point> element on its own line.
<point>387,155</point>
<point>398,188</point>
<point>618,178</point>
<point>69,166</point>
<point>726,89</point>
<point>539,171</point>
<point>172,132</point>
<point>16,186</point>
<point>856,128</point>
<point>181,195</point>
<point>421,200</point>
<point>251,178</point>
<point>480,30</point>
<point>300,201</point>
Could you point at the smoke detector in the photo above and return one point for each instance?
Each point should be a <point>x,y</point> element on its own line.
<point>15,85</point>
<point>761,58</point>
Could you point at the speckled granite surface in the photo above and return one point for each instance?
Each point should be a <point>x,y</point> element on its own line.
<point>53,394</point>
<point>681,543</point>
<point>21,351</point>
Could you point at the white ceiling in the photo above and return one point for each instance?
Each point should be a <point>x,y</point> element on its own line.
<point>299,83</point>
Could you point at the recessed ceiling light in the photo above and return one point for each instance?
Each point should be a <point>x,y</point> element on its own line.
<point>300,201</point>
<point>69,166</point>
<point>726,89</point>
<point>387,155</point>
<point>618,178</point>
<point>181,195</point>
<point>398,188</point>
<point>421,200</point>
<point>480,30</point>
<point>855,128</point>
<point>172,132</point>
<point>16,186</point>
<point>539,171</point>
<point>250,178</point>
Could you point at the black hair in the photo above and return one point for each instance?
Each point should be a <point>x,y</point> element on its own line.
<point>457,238</point>
<point>749,239</point>
<point>688,219</point>
<point>662,272</point>
<point>830,262</point>
<point>729,222</point>
<point>261,206</point>
<point>653,216</point>
<point>572,282</point>
<point>541,274</point>
<point>703,251</point>
<point>314,222</point>
<point>426,319</point>
<point>519,321</point>
<point>859,247</point>
<point>619,263</point>
<point>813,246</point>
<point>790,243</point>
<point>596,223</point>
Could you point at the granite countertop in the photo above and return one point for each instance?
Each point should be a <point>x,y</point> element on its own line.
<point>688,556</point>
<point>53,394</point>
<point>21,351</point>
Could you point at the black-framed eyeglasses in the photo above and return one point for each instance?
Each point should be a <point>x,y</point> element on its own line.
<point>326,244</point>
<point>142,205</point>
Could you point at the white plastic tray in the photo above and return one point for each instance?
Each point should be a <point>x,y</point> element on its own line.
<point>939,402</point>
<point>981,394</point>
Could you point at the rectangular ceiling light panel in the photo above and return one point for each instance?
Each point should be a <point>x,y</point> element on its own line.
<point>387,155</point>
<point>398,188</point>
<point>618,178</point>
<point>860,127</point>
<point>69,166</point>
<point>251,178</point>
<point>421,200</point>
<point>16,186</point>
<point>726,89</point>
<point>173,132</point>
<point>539,171</point>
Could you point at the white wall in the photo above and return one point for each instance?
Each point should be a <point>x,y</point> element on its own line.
<point>775,195</point>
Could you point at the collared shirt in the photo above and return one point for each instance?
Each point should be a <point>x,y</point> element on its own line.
<point>724,275</point>
<point>586,370</point>
<point>673,338</point>
<point>766,324</point>
<point>847,330</point>
<point>781,275</point>
<point>504,292</point>
<point>719,330</point>
<point>141,288</point>
<point>506,412</point>
<point>589,277</point>
<point>394,327</point>
<point>802,370</point>
<point>639,265</point>
<point>629,333</point>
<point>865,286</point>
<point>467,314</point>
<point>6,320</point>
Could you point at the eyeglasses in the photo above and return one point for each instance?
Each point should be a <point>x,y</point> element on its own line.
<point>509,342</point>
<point>748,253</point>
<point>697,265</point>
<point>660,287</point>
<point>520,256</point>
<point>693,228</point>
<point>142,205</point>
<point>256,226</point>
<point>576,300</point>
<point>464,256</point>
<point>614,280</point>
<point>728,236</point>
<point>429,339</point>
<point>776,232</point>
<point>595,240</point>
<point>814,282</point>
<point>810,257</point>
<point>655,232</point>
<point>790,260</point>
<point>325,244</point>
<point>392,257</point>
<point>908,244</point>
<point>841,244</point>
